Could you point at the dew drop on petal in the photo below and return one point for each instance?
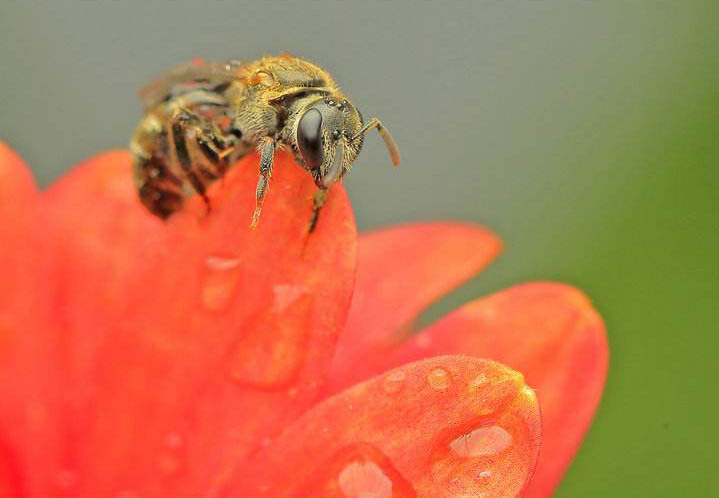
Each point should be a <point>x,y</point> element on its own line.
<point>393,382</point>
<point>357,471</point>
<point>478,382</point>
<point>286,294</point>
<point>220,282</point>
<point>439,378</point>
<point>481,442</point>
<point>460,467</point>
<point>364,480</point>
<point>484,477</point>
<point>220,263</point>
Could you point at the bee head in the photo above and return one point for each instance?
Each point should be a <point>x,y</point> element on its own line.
<point>326,138</point>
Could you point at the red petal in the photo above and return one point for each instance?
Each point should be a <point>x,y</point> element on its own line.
<point>29,436</point>
<point>446,426</point>
<point>402,270</point>
<point>551,334</point>
<point>192,339</point>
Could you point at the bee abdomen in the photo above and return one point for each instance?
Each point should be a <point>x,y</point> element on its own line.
<point>159,189</point>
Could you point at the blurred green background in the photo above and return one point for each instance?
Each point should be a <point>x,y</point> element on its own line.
<point>584,133</point>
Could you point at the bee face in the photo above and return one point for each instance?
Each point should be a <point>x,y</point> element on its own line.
<point>326,138</point>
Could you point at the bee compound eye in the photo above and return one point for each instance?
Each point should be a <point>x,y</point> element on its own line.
<point>309,138</point>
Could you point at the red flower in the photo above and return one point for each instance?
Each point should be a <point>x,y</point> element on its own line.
<point>200,358</point>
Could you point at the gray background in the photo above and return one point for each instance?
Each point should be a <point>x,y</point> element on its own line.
<point>584,133</point>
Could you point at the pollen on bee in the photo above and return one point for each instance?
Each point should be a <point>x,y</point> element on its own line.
<point>261,77</point>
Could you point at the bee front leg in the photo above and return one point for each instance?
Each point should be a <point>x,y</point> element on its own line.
<point>318,201</point>
<point>267,157</point>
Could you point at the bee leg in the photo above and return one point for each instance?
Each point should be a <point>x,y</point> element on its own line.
<point>211,155</point>
<point>267,157</point>
<point>215,149</point>
<point>185,122</point>
<point>318,201</point>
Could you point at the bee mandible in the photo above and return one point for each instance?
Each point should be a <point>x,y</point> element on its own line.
<point>201,117</point>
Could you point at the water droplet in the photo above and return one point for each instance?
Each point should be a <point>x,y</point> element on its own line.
<point>439,379</point>
<point>364,480</point>
<point>484,477</point>
<point>286,294</point>
<point>220,282</point>
<point>393,382</point>
<point>357,471</point>
<point>483,441</point>
<point>461,467</point>
<point>221,263</point>
<point>478,381</point>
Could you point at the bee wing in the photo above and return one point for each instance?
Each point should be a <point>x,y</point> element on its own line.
<point>188,75</point>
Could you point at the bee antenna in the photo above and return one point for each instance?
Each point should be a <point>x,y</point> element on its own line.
<point>384,132</point>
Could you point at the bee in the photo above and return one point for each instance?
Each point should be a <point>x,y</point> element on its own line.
<point>201,117</point>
